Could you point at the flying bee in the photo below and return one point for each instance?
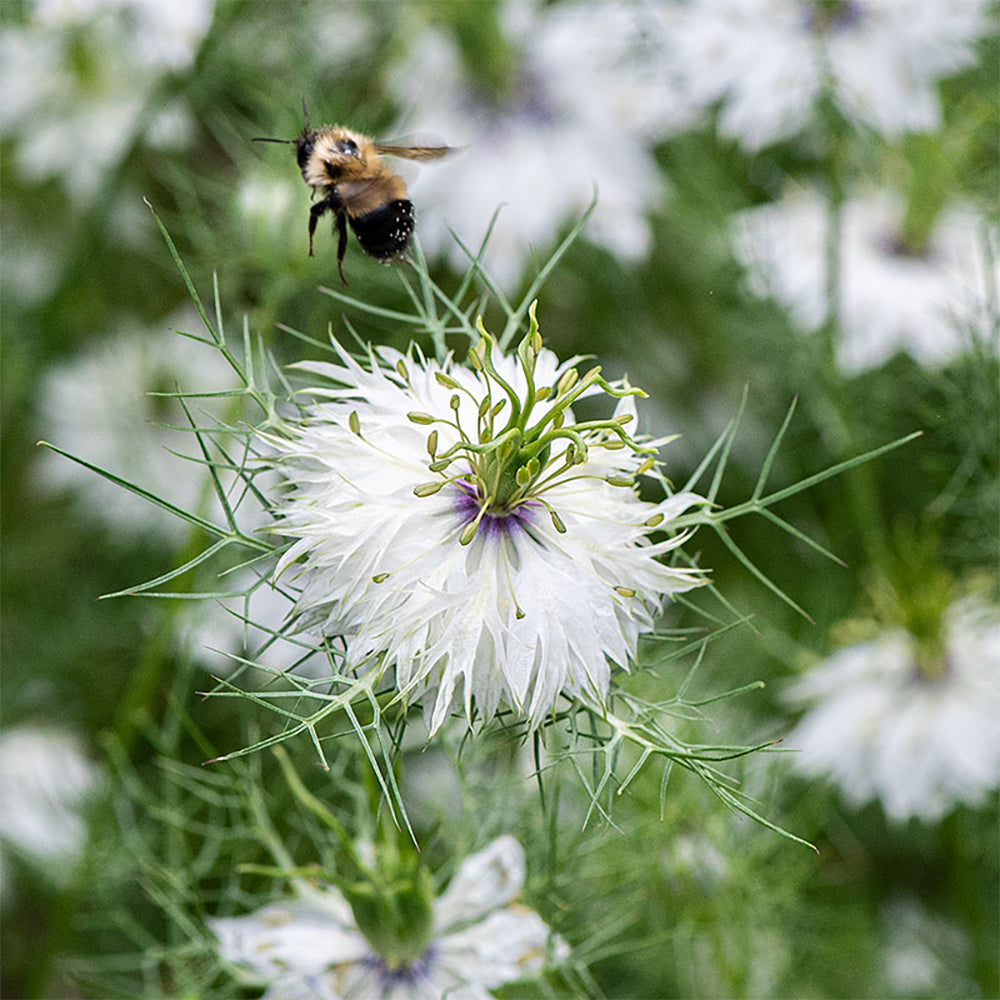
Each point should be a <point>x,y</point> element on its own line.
<point>346,169</point>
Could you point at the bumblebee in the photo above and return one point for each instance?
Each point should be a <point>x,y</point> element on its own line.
<point>346,169</point>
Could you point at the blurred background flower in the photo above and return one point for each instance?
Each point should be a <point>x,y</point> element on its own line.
<point>795,201</point>
<point>770,64</point>
<point>911,724</point>
<point>929,300</point>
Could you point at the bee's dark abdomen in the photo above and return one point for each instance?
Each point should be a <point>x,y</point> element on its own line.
<point>385,232</point>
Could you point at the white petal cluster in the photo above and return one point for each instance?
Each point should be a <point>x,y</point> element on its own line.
<point>45,778</point>
<point>311,947</point>
<point>76,124</point>
<point>926,304</point>
<point>579,114</point>
<point>97,406</point>
<point>542,600</point>
<point>767,63</point>
<point>881,730</point>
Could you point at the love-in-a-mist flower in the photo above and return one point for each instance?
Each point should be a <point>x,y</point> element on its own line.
<point>924,300</point>
<point>909,724</point>
<point>478,938</point>
<point>578,109</point>
<point>457,524</point>
<point>768,63</point>
<point>45,780</point>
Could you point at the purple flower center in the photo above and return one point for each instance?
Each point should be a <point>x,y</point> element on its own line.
<point>493,523</point>
<point>389,978</point>
<point>834,15</point>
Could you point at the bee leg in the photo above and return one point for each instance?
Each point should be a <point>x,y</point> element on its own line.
<point>319,209</point>
<point>341,243</point>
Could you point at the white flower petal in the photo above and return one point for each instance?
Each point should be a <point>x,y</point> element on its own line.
<point>484,881</point>
<point>305,935</point>
<point>507,945</point>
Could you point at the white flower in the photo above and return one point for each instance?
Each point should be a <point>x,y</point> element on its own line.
<point>890,299</point>
<point>45,778</point>
<point>77,78</point>
<point>311,949</point>
<point>882,730</point>
<point>459,539</point>
<point>97,407</point>
<point>923,953</point>
<point>163,35</point>
<point>578,113</point>
<point>769,62</point>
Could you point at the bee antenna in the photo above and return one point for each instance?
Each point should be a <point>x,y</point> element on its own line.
<point>261,138</point>
<point>305,112</point>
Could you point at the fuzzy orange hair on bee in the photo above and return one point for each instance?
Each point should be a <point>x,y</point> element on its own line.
<point>346,169</point>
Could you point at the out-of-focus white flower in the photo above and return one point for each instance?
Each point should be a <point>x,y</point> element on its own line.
<point>456,525</point>
<point>891,299</point>
<point>45,778</point>
<point>311,947</point>
<point>922,952</point>
<point>881,727</point>
<point>97,407</point>
<point>579,114</point>
<point>163,35</point>
<point>767,63</point>
<point>77,77</point>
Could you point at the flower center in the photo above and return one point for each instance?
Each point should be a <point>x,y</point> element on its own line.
<point>493,520</point>
<point>523,442</point>
<point>825,16</point>
<point>405,977</point>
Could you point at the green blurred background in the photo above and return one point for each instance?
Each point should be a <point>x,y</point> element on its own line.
<point>106,106</point>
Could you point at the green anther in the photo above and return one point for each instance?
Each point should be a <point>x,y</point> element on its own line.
<point>518,612</point>
<point>440,465</point>
<point>468,533</point>
<point>380,577</point>
<point>534,466</point>
<point>543,393</point>
<point>613,445</point>
<point>567,381</point>
<point>623,418</point>
<point>484,405</point>
<point>655,520</point>
<point>558,420</point>
<point>432,443</point>
<point>620,481</point>
<point>427,489</point>
<point>580,457</point>
<point>455,402</point>
<point>496,409</point>
<point>446,380</point>
<point>625,591</point>
<point>354,422</point>
<point>557,522</point>
<point>645,467</point>
<point>417,417</point>
<point>401,368</point>
<point>522,476</point>
<point>592,374</point>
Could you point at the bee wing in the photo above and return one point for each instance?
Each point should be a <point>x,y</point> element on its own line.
<point>410,151</point>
